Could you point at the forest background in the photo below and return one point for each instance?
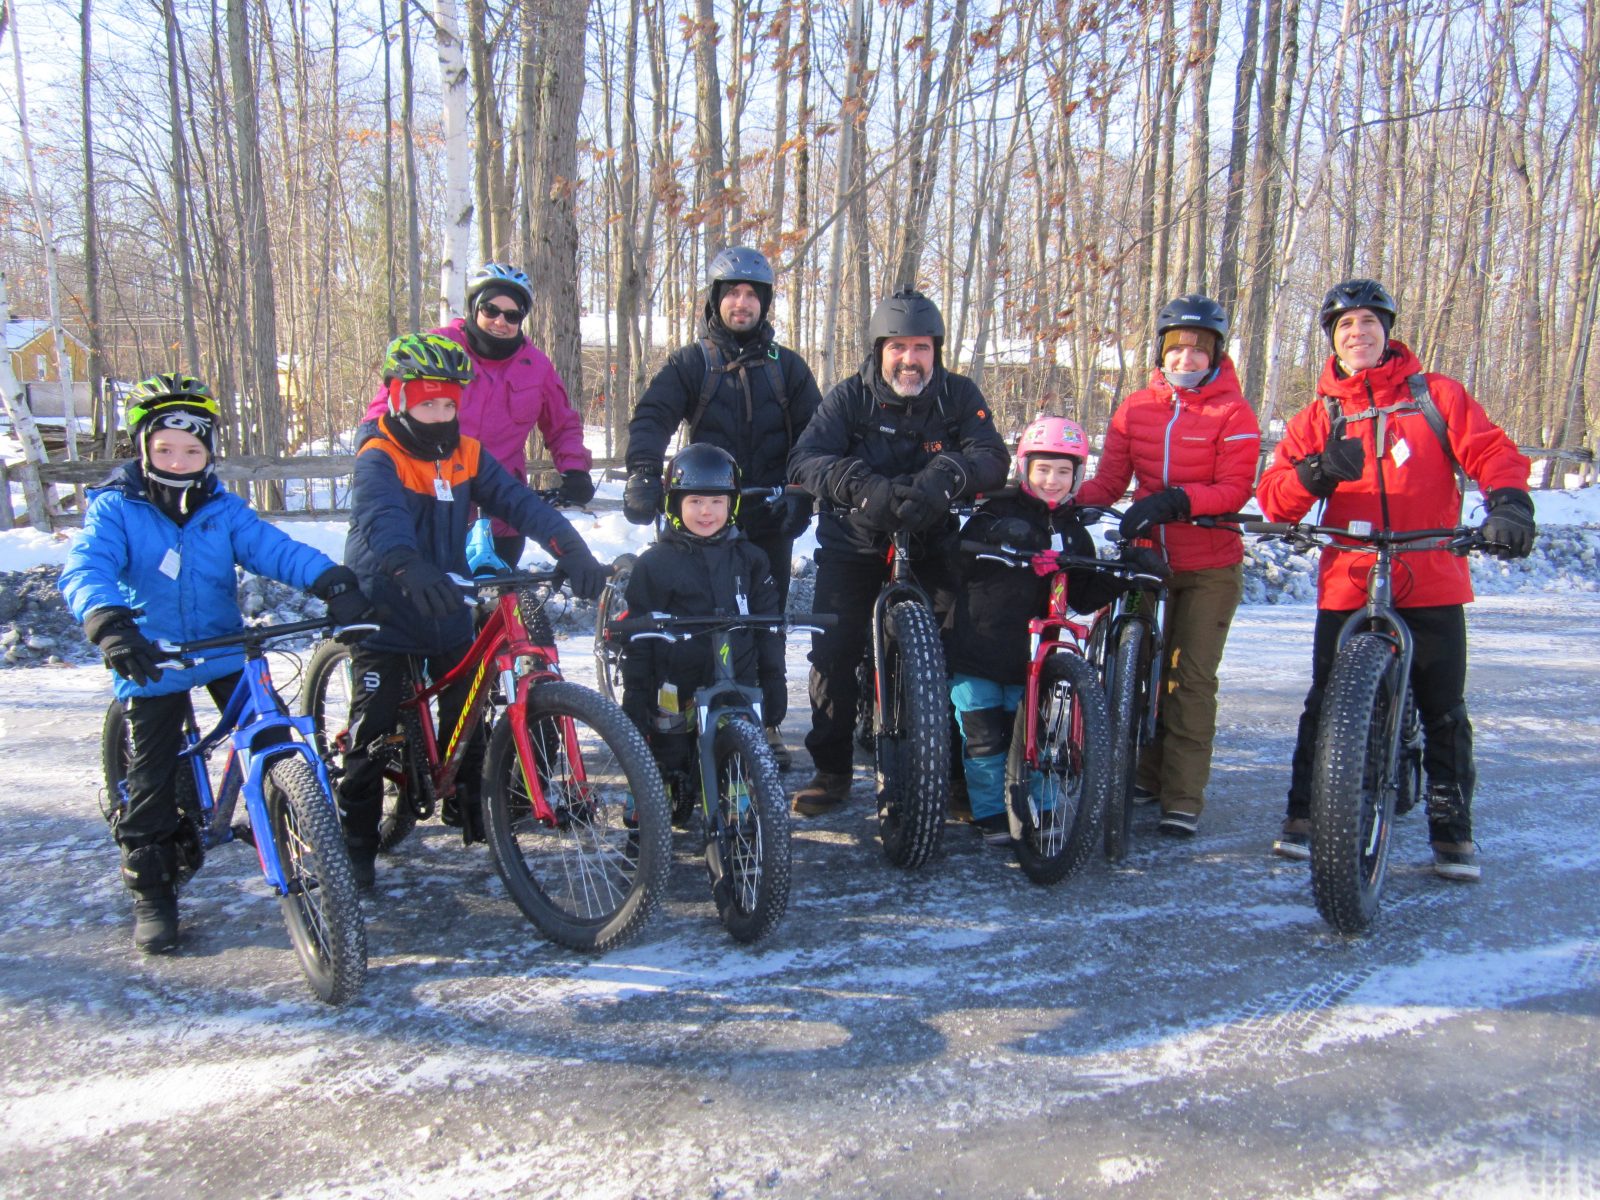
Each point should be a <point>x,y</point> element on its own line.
<point>262,192</point>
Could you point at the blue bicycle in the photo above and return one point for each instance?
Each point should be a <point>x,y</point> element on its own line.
<point>292,823</point>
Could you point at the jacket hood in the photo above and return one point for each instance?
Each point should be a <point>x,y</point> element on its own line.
<point>1390,373</point>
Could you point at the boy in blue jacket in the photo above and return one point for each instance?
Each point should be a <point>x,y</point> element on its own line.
<point>417,480</point>
<point>156,562</point>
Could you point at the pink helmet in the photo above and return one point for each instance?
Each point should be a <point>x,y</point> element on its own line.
<point>1057,437</point>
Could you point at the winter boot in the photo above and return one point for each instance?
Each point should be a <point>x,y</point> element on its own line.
<point>151,874</point>
<point>985,778</point>
<point>780,752</point>
<point>1455,855</point>
<point>826,793</point>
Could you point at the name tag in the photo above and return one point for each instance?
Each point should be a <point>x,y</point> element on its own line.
<point>743,604</point>
<point>169,564</point>
<point>1400,452</point>
<point>441,490</point>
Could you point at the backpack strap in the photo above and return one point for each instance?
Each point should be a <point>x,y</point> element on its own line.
<point>1423,399</point>
<point>717,367</point>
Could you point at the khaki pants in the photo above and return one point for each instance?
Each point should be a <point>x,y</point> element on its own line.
<point>1200,607</point>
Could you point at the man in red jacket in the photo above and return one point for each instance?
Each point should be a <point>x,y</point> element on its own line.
<point>1191,440</point>
<point>1329,453</point>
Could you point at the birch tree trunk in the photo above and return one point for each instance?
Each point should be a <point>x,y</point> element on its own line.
<point>105,415</point>
<point>710,168</point>
<point>40,500</point>
<point>457,241</point>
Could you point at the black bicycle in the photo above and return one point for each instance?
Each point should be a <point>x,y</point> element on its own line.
<point>1367,765</point>
<point>744,813</point>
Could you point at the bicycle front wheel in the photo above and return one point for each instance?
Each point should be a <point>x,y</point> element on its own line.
<point>1126,716</point>
<point>326,695</point>
<point>1353,784</point>
<point>1059,802</point>
<point>608,654</point>
<point>591,878</point>
<point>320,907</point>
<point>747,845</point>
<point>913,751</point>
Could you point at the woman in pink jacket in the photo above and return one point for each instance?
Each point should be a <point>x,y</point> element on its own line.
<point>1190,442</point>
<point>514,388</point>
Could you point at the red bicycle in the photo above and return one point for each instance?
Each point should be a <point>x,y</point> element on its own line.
<point>1058,773</point>
<point>573,808</point>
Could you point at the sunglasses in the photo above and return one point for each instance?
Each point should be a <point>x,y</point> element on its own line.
<point>512,316</point>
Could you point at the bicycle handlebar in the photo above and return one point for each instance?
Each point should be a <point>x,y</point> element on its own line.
<point>678,628</point>
<point>251,638</point>
<point>1014,557</point>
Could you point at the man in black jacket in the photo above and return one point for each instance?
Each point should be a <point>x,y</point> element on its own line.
<point>889,449</point>
<point>736,388</point>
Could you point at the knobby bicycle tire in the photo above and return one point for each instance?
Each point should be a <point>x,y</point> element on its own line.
<point>592,880</point>
<point>913,752</point>
<point>320,908</point>
<point>326,692</point>
<point>1126,719</point>
<point>608,654</point>
<point>747,843</point>
<point>1352,785</point>
<point>1060,825</point>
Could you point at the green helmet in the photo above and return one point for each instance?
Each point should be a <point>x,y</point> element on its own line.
<point>426,356</point>
<point>164,390</point>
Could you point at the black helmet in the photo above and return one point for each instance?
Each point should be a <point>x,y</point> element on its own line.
<point>1358,293</point>
<point>1193,311</point>
<point>739,264</point>
<point>907,313</point>
<point>701,469</point>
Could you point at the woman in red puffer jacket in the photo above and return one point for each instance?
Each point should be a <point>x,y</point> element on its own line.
<point>1190,442</point>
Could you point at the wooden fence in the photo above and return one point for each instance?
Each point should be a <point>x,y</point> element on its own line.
<point>241,470</point>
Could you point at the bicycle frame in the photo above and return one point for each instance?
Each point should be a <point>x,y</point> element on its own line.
<point>1128,609</point>
<point>259,729</point>
<point>1057,632</point>
<point>519,663</point>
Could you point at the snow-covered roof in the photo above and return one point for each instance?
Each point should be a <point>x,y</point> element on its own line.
<point>22,330</point>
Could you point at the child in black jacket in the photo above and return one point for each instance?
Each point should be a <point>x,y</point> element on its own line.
<point>986,617</point>
<point>700,566</point>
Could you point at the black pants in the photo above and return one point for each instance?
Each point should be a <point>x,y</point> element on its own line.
<point>155,725</point>
<point>1438,682</point>
<point>381,682</point>
<point>780,552</point>
<point>847,587</point>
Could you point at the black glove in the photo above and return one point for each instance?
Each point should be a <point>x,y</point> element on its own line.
<point>774,702</point>
<point>917,510</point>
<point>340,590</point>
<point>1148,562</point>
<point>873,497</point>
<point>641,498</point>
<point>577,487</point>
<point>1509,524</point>
<point>575,561</point>
<point>1018,534</point>
<point>1342,460</point>
<point>435,595</point>
<point>126,649</point>
<point>1169,505</point>
<point>795,514</point>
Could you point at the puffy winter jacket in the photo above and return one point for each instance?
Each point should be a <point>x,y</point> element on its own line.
<point>688,577</point>
<point>861,418</point>
<point>398,508</point>
<point>1204,441</point>
<point>132,555</point>
<point>503,403</point>
<point>985,618</point>
<point>1413,477</point>
<point>745,416</point>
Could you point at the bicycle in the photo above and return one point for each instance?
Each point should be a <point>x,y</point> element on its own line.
<point>292,822</point>
<point>573,808</point>
<point>1367,766</point>
<point>745,817</point>
<point>1058,771</point>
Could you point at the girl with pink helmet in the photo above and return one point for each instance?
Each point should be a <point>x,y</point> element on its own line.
<point>990,604</point>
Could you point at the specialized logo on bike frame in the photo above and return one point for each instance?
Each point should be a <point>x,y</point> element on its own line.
<point>371,680</point>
